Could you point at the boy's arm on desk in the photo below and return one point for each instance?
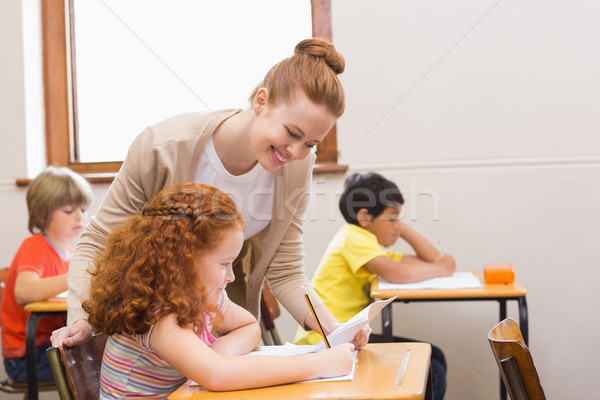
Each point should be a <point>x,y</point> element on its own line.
<point>427,263</point>
<point>424,250</point>
<point>29,287</point>
<point>411,268</point>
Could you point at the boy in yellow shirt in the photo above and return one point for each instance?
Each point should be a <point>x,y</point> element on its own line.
<point>371,205</point>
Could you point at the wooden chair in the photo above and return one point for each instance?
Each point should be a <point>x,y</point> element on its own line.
<point>515,362</point>
<point>77,369</point>
<point>8,385</point>
<point>269,310</point>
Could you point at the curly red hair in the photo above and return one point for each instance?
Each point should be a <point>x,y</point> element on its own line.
<point>148,267</point>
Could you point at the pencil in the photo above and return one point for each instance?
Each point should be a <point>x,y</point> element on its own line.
<point>317,319</point>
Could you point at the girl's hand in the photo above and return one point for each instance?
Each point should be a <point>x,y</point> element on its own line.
<point>336,361</point>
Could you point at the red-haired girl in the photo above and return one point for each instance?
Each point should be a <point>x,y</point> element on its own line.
<point>158,290</point>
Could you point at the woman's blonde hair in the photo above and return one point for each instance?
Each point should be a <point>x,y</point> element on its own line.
<point>148,268</point>
<point>314,69</point>
<point>55,187</point>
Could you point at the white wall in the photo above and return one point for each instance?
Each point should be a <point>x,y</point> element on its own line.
<point>491,107</point>
<point>487,109</point>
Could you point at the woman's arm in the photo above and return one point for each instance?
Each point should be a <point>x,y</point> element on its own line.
<point>424,250</point>
<point>241,331</point>
<point>78,330</point>
<point>125,197</point>
<point>30,287</point>
<point>185,352</point>
<point>147,169</point>
<point>286,274</point>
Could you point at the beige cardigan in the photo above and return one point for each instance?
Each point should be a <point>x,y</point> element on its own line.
<point>167,154</point>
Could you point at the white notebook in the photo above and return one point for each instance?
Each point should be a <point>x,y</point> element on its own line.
<point>459,280</point>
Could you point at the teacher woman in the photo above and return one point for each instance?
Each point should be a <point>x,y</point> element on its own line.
<point>262,157</point>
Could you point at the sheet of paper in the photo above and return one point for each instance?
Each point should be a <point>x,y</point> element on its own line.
<point>287,349</point>
<point>62,295</point>
<point>459,280</point>
<point>348,377</point>
<point>350,328</point>
<point>290,349</point>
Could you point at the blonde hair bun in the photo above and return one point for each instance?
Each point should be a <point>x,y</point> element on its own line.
<point>319,47</point>
<point>313,69</point>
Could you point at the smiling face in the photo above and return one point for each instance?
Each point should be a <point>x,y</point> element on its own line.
<point>386,226</point>
<point>287,131</point>
<point>216,266</point>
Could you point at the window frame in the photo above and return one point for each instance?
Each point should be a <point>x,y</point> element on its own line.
<point>60,94</point>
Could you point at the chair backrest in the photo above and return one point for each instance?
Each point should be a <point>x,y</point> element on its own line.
<point>515,362</point>
<point>269,310</point>
<point>77,369</point>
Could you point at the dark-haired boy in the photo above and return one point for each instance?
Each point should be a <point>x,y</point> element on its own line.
<point>371,204</point>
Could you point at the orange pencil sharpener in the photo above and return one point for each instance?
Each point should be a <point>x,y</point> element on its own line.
<point>499,272</point>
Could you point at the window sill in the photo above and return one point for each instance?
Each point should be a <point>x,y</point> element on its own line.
<point>329,168</point>
<point>110,176</point>
<point>91,178</point>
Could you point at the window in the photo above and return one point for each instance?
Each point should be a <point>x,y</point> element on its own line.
<point>65,135</point>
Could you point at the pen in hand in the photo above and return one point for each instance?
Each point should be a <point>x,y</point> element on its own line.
<point>317,319</point>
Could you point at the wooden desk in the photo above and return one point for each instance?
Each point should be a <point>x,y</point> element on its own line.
<point>497,292</point>
<point>38,310</point>
<point>374,378</point>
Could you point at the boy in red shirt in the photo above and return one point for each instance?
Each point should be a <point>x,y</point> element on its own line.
<point>57,201</point>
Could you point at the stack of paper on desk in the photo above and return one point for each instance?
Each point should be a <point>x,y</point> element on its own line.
<point>459,280</point>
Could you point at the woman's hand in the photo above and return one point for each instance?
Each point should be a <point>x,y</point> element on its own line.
<point>362,337</point>
<point>330,324</point>
<point>73,335</point>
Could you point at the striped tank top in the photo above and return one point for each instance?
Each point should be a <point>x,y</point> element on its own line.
<point>130,369</point>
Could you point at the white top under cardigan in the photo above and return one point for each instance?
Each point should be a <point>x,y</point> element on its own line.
<point>252,191</point>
